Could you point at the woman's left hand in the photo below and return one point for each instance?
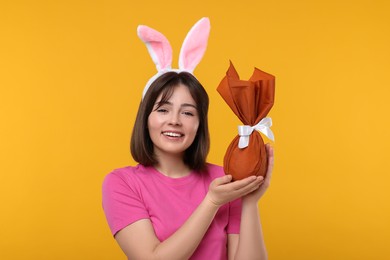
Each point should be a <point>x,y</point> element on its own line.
<point>257,194</point>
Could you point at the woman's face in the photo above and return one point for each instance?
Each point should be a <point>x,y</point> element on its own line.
<point>173,125</point>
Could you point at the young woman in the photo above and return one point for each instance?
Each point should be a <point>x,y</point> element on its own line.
<point>174,205</point>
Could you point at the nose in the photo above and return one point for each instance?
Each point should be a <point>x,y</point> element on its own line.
<point>175,119</point>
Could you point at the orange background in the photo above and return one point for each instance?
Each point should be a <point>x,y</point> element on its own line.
<point>71,78</point>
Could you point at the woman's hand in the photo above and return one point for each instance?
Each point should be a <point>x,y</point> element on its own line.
<point>256,195</point>
<point>222,190</point>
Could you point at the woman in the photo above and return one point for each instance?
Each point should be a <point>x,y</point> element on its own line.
<point>174,205</point>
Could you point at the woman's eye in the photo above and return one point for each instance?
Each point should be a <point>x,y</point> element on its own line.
<point>188,113</point>
<point>162,110</point>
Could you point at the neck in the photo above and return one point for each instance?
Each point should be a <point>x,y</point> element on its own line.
<point>172,165</point>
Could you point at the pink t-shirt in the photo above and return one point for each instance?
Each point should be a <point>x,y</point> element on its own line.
<point>134,193</point>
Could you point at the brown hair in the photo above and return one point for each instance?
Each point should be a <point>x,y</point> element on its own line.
<point>141,145</point>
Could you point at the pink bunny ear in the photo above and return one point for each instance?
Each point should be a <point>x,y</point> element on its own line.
<point>194,45</point>
<point>158,46</point>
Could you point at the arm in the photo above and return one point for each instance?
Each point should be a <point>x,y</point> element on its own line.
<point>249,244</point>
<point>138,240</point>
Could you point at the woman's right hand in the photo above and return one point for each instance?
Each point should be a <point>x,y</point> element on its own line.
<point>222,190</point>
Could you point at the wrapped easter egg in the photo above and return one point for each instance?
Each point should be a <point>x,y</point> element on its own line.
<point>250,100</point>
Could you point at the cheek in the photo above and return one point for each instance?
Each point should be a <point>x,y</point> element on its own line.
<point>149,123</point>
<point>195,127</point>
<point>152,121</point>
<point>152,125</point>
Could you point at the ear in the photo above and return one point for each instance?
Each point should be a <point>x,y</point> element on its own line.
<point>194,45</point>
<point>158,46</point>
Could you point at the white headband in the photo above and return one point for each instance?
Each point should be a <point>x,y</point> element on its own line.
<point>191,53</point>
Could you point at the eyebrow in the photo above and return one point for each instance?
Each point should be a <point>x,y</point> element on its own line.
<point>169,103</point>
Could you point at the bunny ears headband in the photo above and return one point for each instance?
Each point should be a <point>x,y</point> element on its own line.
<point>191,53</point>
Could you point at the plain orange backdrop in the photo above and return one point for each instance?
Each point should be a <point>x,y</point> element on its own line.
<point>71,78</point>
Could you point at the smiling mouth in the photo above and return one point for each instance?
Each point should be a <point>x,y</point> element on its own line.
<point>172,134</point>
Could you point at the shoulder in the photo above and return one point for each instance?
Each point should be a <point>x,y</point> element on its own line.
<point>118,175</point>
<point>123,177</point>
<point>122,198</point>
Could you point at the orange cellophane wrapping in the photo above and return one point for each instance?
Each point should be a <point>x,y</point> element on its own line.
<point>251,101</point>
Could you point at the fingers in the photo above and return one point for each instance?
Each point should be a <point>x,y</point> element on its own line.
<point>270,153</point>
<point>223,180</point>
<point>224,184</point>
<point>247,185</point>
<point>270,160</point>
<point>239,184</point>
<point>250,187</point>
<point>222,190</point>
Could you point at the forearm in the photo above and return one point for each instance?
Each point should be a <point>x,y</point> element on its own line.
<point>251,242</point>
<point>182,244</point>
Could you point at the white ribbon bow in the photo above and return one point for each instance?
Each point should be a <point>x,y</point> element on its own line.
<point>244,131</point>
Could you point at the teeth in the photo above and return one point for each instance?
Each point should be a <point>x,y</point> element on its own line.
<point>172,134</point>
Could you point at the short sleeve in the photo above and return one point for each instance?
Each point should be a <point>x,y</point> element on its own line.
<point>122,204</point>
<point>234,217</point>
